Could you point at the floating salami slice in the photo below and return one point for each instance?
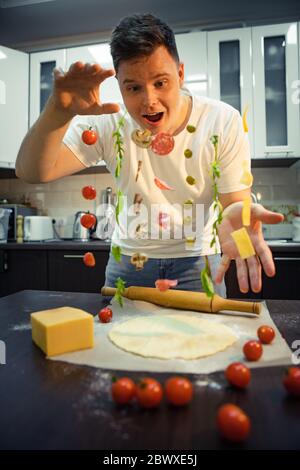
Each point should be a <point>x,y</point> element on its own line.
<point>165,284</point>
<point>162,184</point>
<point>163,143</point>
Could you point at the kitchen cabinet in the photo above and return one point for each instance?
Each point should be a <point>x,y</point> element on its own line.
<point>99,53</point>
<point>230,71</point>
<point>192,50</point>
<point>21,270</point>
<point>67,272</point>
<point>41,78</point>
<point>275,72</point>
<point>13,103</point>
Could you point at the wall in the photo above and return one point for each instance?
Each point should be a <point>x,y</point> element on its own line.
<point>62,199</point>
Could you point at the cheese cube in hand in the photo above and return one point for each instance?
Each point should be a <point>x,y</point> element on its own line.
<point>63,329</point>
<point>243,243</point>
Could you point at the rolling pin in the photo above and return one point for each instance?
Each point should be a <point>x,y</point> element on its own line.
<point>185,300</point>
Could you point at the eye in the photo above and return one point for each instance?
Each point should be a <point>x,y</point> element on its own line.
<point>133,88</point>
<point>161,83</point>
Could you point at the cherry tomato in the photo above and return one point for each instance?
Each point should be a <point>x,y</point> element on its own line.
<point>253,350</point>
<point>233,423</point>
<point>105,315</point>
<point>238,374</point>
<point>266,334</point>
<point>123,390</point>
<point>89,136</point>
<point>89,192</point>
<point>88,220</point>
<point>149,393</point>
<point>89,259</point>
<point>179,391</point>
<point>291,381</point>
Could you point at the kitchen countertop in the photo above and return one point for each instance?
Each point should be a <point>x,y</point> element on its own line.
<point>54,405</point>
<point>275,245</point>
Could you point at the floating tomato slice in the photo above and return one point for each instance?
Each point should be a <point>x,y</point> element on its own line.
<point>89,259</point>
<point>89,192</point>
<point>162,184</point>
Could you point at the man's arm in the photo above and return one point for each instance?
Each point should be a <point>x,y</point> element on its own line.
<point>230,198</point>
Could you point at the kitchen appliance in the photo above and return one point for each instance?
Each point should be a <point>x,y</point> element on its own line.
<point>4,219</point>
<point>16,209</point>
<point>296,229</point>
<point>105,214</point>
<point>38,228</point>
<point>80,233</point>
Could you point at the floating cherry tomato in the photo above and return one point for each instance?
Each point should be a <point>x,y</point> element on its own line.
<point>253,350</point>
<point>89,136</point>
<point>149,393</point>
<point>179,391</point>
<point>238,374</point>
<point>88,220</point>
<point>89,259</point>
<point>105,315</point>
<point>266,334</point>
<point>291,381</point>
<point>89,192</point>
<point>123,390</point>
<point>233,423</point>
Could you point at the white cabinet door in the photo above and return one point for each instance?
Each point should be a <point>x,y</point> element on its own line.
<point>97,53</point>
<point>230,71</point>
<point>41,78</point>
<point>192,50</point>
<point>275,71</point>
<point>14,72</point>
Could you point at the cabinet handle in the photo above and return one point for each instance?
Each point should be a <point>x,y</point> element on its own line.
<point>73,256</point>
<point>284,154</point>
<point>277,258</point>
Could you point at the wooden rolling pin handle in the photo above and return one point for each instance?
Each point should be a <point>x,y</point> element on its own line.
<point>109,291</point>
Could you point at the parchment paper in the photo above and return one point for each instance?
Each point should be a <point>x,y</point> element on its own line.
<point>106,355</point>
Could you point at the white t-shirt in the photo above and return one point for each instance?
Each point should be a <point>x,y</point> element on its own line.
<point>170,232</point>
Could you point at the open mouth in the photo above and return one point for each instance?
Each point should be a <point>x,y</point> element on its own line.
<point>153,117</point>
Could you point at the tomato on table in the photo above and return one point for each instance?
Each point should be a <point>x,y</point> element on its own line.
<point>89,136</point>
<point>105,315</point>
<point>233,423</point>
<point>253,350</point>
<point>291,381</point>
<point>266,334</point>
<point>123,390</point>
<point>89,192</point>
<point>179,391</point>
<point>149,393</point>
<point>238,374</point>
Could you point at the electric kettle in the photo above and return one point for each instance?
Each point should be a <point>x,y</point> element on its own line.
<point>80,233</point>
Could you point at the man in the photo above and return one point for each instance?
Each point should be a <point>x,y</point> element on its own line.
<point>151,77</point>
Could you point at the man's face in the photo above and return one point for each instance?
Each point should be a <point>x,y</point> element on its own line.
<point>150,87</point>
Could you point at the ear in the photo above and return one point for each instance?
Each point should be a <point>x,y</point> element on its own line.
<point>181,73</point>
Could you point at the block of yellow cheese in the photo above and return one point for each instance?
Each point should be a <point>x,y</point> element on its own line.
<point>243,243</point>
<point>246,212</point>
<point>63,329</point>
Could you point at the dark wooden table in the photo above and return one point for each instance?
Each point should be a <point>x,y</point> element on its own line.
<point>54,405</point>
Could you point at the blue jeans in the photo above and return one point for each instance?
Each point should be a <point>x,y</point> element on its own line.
<point>185,270</point>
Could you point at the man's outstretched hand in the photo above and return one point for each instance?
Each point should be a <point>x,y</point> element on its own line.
<point>251,267</point>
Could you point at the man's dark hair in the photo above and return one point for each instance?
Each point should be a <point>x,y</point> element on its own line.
<point>139,35</point>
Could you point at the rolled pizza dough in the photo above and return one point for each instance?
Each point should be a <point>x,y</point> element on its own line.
<point>172,336</point>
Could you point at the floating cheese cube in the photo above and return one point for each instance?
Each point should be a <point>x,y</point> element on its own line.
<point>61,330</point>
<point>243,243</point>
<point>246,212</point>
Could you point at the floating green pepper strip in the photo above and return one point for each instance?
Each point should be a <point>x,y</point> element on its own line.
<point>120,204</point>
<point>206,280</point>
<point>120,285</point>
<point>217,206</point>
<point>116,252</point>
<point>119,145</point>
